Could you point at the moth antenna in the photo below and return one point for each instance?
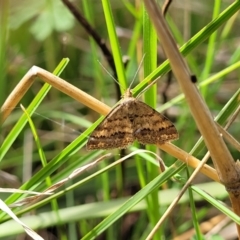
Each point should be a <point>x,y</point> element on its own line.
<point>144,90</point>
<point>140,65</point>
<point>115,80</point>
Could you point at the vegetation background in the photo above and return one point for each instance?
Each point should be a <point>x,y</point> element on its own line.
<point>44,32</point>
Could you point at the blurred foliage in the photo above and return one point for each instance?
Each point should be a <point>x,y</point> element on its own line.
<point>43,32</point>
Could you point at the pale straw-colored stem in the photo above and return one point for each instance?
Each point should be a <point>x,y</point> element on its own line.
<point>228,171</point>
<point>58,83</point>
<point>220,154</point>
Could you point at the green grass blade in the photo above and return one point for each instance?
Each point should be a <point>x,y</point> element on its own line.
<point>217,204</point>
<point>198,38</point>
<point>117,55</point>
<point>32,107</point>
<point>150,187</point>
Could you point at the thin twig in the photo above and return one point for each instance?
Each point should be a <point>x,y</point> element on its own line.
<point>175,201</point>
<point>93,33</point>
<point>166,6</point>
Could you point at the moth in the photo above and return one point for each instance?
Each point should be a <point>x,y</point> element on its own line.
<point>129,121</point>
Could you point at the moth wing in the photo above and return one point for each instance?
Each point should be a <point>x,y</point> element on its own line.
<point>149,126</point>
<point>115,131</point>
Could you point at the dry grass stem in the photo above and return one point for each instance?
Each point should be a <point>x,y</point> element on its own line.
<point>57,82</point>
<point>228,171</point>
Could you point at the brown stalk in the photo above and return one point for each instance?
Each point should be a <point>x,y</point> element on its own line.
<point>57,82</point>
<point>227,169</point>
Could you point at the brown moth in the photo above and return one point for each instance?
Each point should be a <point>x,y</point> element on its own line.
<point>129,121</point>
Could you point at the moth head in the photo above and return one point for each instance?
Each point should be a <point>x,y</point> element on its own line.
<point>127,94</point>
